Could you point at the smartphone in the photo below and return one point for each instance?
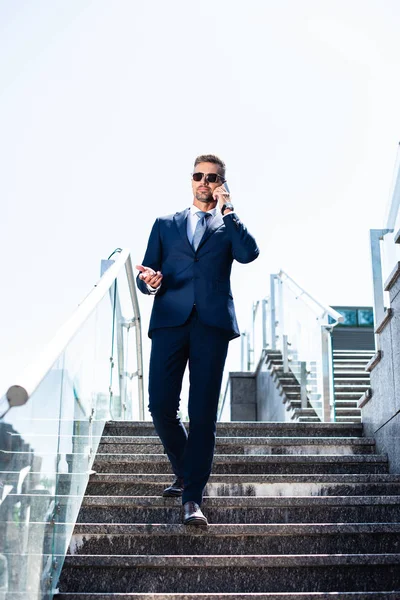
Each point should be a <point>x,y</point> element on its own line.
<point>225,184</point>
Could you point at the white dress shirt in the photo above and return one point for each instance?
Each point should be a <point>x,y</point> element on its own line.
<point>192,220</point>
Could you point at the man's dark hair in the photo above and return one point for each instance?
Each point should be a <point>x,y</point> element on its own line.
<point>211,158</point>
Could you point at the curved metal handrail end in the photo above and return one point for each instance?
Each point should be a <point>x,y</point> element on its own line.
<point>17,395</point>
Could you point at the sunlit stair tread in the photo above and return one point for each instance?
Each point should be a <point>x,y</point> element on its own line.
<point>256,560</point>
<point>221,596</point>
<point>343,478</point>
<point>237,440</point>
<point>234,539</point>
<point>227,529</point>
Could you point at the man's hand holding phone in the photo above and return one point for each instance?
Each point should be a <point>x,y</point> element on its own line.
<point>149,276</point>
<point>222,195</point>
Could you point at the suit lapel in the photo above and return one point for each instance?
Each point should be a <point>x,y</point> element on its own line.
<point>215,224</point>
<point>181,223</point>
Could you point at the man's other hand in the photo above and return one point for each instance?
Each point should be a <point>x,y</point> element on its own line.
<point>149,276</point>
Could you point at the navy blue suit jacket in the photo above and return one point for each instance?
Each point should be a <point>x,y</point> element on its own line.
<point>201,277</point>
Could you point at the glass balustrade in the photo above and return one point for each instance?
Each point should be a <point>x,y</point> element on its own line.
<point>390,250</point>
<point>294,323</point>
<point>302,322</point>
<point>48,445</point>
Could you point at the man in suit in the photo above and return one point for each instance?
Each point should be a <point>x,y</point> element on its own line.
<point>187,268</point>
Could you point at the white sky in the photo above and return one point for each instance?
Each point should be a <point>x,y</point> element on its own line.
<point>105,104</point>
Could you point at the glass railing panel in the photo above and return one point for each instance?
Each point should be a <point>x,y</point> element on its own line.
<point>390,252</point>
<point>299,320</point>
<point>28,481</point>
<point>125,375</point>
<point>47,451</point>
<point>84,410</point>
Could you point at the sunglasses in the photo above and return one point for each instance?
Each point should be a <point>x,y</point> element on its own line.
<point>209,177</point>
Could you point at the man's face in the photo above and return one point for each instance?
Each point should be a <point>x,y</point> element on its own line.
<point>203,190</point>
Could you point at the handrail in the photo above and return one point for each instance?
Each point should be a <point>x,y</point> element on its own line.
<point>138,334</point>
<point>19,393</point>
<point>326,309</point>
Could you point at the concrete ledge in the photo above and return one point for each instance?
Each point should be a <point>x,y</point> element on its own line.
<point>393,277</point>
<point>242,374</point>
<point>385,320</point>
<point>374,361</point>
<point>365,398</point>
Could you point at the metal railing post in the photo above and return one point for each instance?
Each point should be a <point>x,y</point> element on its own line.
<point>281,320</point>
<point>327,383</point>
<point>264,322</point>
<point>303,384</point>
<point>273,312</point>
<point>138,335</point>
<point>285,354</point>
<point>242,349</point>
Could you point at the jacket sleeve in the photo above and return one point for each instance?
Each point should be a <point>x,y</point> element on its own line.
<point>152,257</point>
<point>244,246</point>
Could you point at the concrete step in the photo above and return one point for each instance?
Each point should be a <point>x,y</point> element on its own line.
<point>244,509</point>
<point>247,464</point>
<point>349,381</point>
<point>296,404</point>
<point>354,352</point>
<point>122,484</point>
<point>228,596</point>
<point>350,361</point>
<point>348,395</point>
<point>353,373</point>
<point>292,394</point>
<point>290,384</point>
<point>234,539</point>
<point>340,388</point>
<point>194,574</point>
<point>351,356</point>
<point>248,429</point>
<point>246,445</point>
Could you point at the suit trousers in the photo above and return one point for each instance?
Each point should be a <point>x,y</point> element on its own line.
<point>205,349</point>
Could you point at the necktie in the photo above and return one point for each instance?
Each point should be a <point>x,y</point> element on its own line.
<point>200,228</point>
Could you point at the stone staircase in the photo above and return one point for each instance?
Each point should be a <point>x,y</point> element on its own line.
<point>296,511</point>
<point>350,382</point>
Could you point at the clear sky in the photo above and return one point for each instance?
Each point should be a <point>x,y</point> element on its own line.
<point>104,104</point>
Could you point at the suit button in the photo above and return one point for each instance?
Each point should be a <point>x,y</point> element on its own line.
<point>196,260</point>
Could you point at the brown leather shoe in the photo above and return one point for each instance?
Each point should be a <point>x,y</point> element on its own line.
<point>175,489</point>
<point>192,515</point>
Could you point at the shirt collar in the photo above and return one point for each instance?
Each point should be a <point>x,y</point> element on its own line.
<point>193,210</point>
